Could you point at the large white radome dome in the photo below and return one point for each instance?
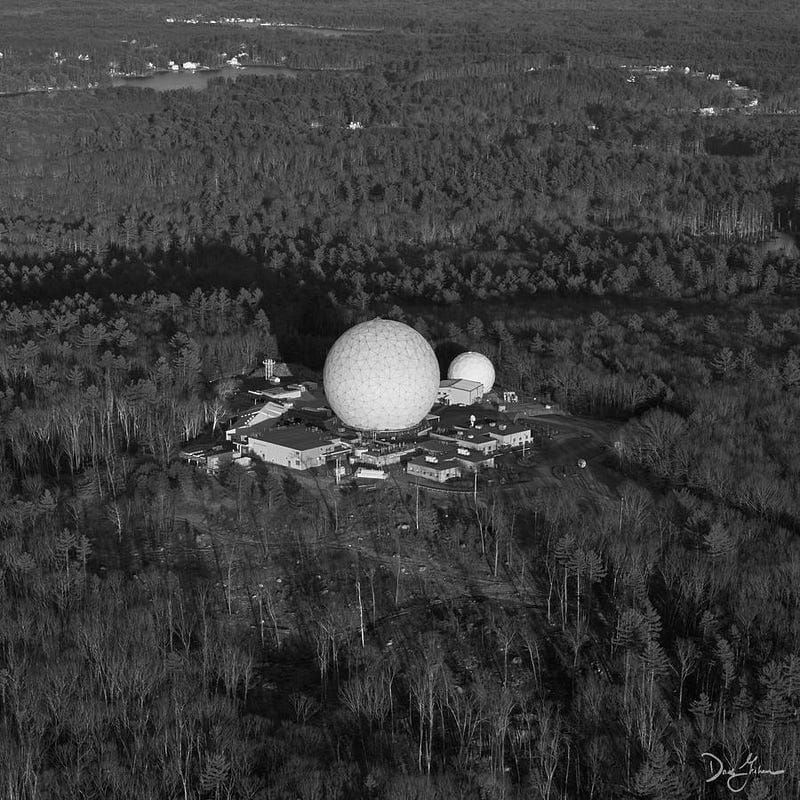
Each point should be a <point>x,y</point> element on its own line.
<point>473,367</point>
<point>381,375</point>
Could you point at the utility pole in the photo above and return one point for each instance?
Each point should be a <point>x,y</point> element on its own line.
<point>360,611</point>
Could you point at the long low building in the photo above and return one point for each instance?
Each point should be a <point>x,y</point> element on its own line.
<point>433,468</point>
<point>295,447</point>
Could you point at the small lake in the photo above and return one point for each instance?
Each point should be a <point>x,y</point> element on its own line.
<point>187,79</point>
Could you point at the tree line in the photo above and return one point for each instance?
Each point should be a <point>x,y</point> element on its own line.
<point>447,162</point>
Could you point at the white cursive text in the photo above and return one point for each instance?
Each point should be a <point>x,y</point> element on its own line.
<point>739,777</point>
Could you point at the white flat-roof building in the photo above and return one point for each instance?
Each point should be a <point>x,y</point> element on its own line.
<point>459,390</point>
<point>295,447</point>
<point>510,434</point>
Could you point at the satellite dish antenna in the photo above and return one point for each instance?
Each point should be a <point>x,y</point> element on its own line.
<point>581,463</point>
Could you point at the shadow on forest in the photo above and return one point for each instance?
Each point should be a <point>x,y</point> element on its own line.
<point>305,320</point>
<point>445,353</point>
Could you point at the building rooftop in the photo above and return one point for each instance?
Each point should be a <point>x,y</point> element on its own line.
<point>296,437</point>
<point>462,436</point>
<point>506,430</point>
<point>474,457</point>
<point>205,447</point>
<point>321,417</point>
<point>460,383</point>
<point>494,428</point>
<point>257,429</point>
<point>437,446</point>
<point>448,449</point>
<point>437,466</point>
<point>258,383</point>
<point>380,448</point>
<point>241,402</point>
<point>272,408</point>
<point>284,392</point>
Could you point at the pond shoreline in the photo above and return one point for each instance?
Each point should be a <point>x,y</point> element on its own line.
<point>197,79</point>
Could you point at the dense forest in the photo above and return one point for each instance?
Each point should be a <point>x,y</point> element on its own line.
<point>523,183</point>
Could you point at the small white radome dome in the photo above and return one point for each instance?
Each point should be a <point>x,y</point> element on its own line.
<point>472,366</point>
<point>381,375</point>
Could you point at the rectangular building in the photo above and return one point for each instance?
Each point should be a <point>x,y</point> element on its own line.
<point>459,391</point>
<point>511,435</point>
<point>468,460</point>
<point>295,447</point>
<point>433,468</point>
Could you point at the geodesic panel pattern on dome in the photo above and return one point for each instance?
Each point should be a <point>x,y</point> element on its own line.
<point>473,367</point>
<point>381,375</point>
